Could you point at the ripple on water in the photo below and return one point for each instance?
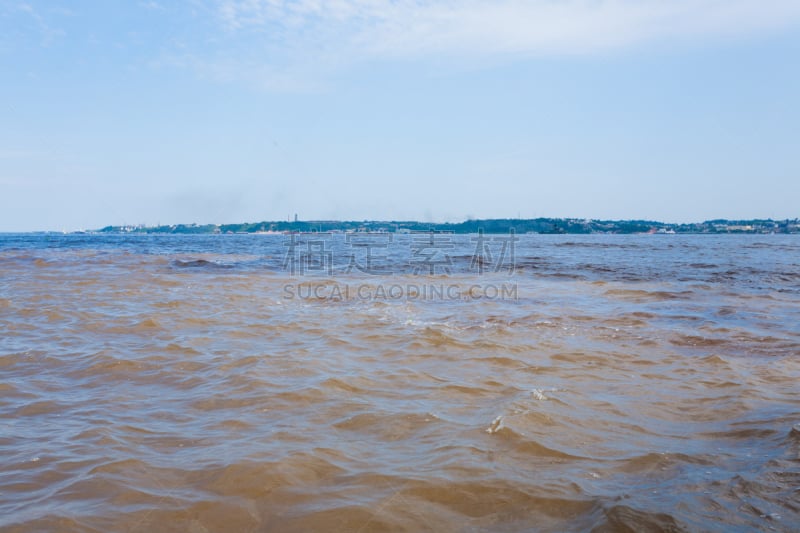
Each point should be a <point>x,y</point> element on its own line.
<point>635,385</point>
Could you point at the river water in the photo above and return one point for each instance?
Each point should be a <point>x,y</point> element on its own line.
<point>399,382</point>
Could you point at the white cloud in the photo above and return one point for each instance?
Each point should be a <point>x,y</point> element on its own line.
<point>291,44</point>
<point>411,28</point>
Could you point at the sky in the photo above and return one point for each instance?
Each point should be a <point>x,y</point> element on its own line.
<point>219,111</point>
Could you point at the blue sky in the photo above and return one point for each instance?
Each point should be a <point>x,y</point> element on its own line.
<point>215,111</point>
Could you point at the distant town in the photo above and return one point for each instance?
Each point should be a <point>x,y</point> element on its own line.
<point>499,225</point>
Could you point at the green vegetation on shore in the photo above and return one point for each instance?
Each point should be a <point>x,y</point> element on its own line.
<point>500,225</point>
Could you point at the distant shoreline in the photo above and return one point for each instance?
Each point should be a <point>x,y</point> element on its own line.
<point>549,226</point>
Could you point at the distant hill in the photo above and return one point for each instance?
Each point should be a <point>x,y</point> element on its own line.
<point>497,225</point>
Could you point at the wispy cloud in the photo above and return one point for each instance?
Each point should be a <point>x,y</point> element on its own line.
<point>19,154</point>
<point>280,40</point>
<point>152,6</point>
<point>47,32</point>
<point>409,28</point>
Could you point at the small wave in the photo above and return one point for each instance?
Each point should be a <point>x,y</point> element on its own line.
<point>598,245</point>
<point>200,263</point>
<point>40,408</point>
<point>643,295</point>
<point>522,443</point>
<point>746,434</point>
<point>624,518</point>
<point>660,462</point>
<point>702,265</point>
<point>697,341</point>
